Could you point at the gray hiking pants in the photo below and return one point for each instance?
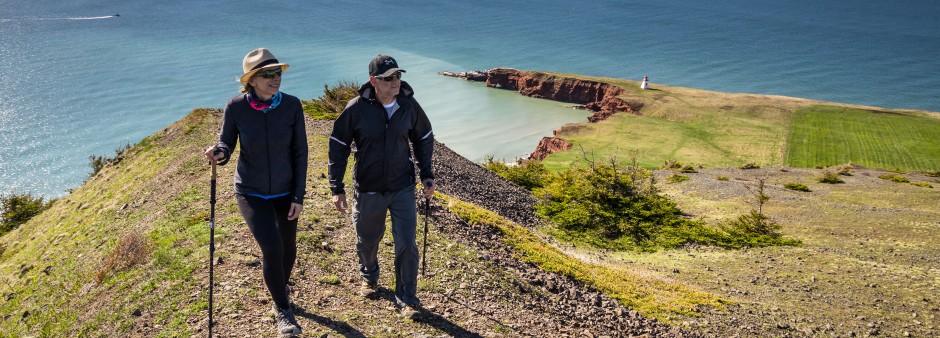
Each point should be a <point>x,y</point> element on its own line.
<point>368,214</point>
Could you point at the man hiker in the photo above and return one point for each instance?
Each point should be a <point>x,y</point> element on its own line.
<point>382,121</point>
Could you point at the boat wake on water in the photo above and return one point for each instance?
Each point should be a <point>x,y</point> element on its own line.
<point>64,18</point>
<point>94,17</point>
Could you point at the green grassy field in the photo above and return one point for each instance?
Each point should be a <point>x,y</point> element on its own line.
<point>830,135</point>
<point>698,127</point>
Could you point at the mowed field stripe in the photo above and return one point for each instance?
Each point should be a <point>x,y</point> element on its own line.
<point>831,135</point>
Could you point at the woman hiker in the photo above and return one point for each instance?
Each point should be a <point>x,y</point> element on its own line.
<point>271,171</point>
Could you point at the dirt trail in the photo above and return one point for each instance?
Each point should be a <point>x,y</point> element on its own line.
<point>474,286</point>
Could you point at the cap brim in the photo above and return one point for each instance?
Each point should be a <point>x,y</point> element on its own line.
<point>244,78</point>
<point>390,72</point>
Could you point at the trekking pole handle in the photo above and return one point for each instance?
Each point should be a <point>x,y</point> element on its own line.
<point>212,186</point>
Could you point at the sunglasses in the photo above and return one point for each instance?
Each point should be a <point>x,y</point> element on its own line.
<point>392,77</point>
<point>270,73</point>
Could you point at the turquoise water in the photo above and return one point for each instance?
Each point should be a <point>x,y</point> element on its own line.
<point>78,82</point>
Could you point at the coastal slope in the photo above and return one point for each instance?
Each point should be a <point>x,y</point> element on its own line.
<point>126,254</point>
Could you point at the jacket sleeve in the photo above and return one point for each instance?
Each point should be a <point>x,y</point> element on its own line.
<point>299,154</point>
<point>228,136</point>
<point>422,139</point>
<point>340,140</point>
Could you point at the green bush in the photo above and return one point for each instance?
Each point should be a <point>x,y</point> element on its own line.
<point>603,201</point>
<point>529,174</point>
<point>845,169</point>
<point>829,177</point>
<point>329,105</point>
<point>98,162</point>
<point>923,184</point>
<point>754,230</point>
<point>670,165</point>
<point>722,178</point>
<point>688,170</point>
<point>750,165</point>
<point>796,186</point>
<point>932,173</point>
<point>895,178</point>
<point>613,208</point>
<point>18,209</point>
<point>677,178</point>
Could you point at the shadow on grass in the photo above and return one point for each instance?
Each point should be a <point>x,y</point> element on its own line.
<point>340,327</point>
<point>432,319</point>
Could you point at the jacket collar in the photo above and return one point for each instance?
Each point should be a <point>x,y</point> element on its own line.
<point>367,91</point>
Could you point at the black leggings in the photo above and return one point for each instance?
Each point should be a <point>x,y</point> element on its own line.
<point>277,238</point>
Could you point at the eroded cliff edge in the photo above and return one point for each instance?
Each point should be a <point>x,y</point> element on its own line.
<point>602,99</point>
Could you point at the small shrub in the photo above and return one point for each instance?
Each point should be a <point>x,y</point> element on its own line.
<point>895,178</point>
<point>677,178</point>
<point>607,203</point>
<point>529,174</point>
<point>750,165</point>
<point>754,230</point>
<point>331,279</point>
<point>329,105</point>
<point>131,249</point>
<point>845,169</point>
<point>688,169</point>
<point>829,177</point>
<point>608,207</point>
<point>98,162</point>
<point>796,186</point>
<point>17,209</point>
<point>922,184</point>
<point>932,173</point>
<point>898,170</point>
<point>671,165</point>
<point>722,178</point>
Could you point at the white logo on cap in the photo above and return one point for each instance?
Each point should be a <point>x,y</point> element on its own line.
<point>389,62</point>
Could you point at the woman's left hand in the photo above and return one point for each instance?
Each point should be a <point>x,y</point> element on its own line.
<point>295,210</point>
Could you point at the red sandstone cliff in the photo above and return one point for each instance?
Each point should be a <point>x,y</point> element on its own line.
<point>601,98</point>
<point>548,146</point>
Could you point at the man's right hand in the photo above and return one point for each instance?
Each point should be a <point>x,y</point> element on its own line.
<point>339,201</point>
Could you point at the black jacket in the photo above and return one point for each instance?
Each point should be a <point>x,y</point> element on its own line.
<point>383,156</point>
<point>273,150</point>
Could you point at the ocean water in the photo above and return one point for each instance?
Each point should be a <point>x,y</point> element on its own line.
<point>79,82</point>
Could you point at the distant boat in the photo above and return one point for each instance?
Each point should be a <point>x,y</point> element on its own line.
<point>116,15</point>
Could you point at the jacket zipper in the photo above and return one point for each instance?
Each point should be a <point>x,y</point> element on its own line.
<point>267,137</point>
<point>385,148</point>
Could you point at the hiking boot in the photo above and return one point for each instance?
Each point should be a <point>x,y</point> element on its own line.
<point>409,311</point>
<point>286,323</point>
<point>368,288</point>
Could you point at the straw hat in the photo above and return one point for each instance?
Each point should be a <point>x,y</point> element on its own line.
<point>257,60</point>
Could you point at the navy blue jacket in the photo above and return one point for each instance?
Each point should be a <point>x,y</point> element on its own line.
<point>273,152</point>
<point>383,155</point>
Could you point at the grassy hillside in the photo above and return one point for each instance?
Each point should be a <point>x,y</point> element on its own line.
<point>868,264</point>
<point>728,130</point>
<point>126,254</point>
<point>64,271</point>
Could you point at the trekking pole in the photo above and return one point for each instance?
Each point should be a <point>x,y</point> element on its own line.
<point>211,241</point>
<point>424,252</point>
